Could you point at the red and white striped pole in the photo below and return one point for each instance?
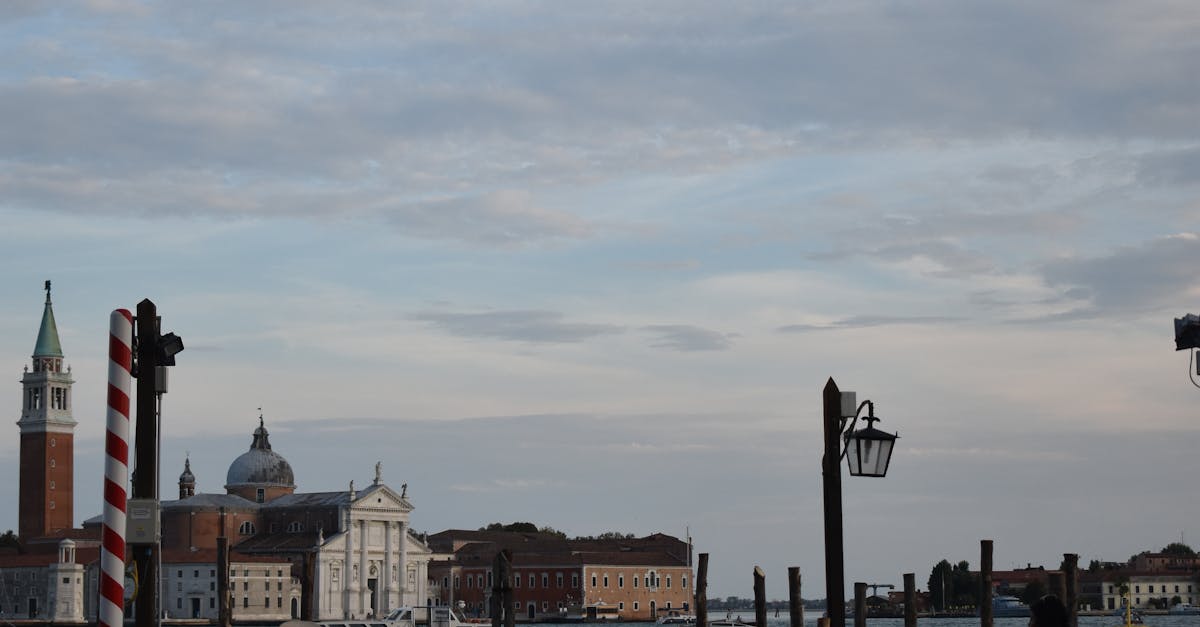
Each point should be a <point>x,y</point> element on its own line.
<point>116,469</point>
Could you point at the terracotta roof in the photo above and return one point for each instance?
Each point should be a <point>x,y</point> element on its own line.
<point>83,555</point>
<point>279,542</point>
<point>209,556</point>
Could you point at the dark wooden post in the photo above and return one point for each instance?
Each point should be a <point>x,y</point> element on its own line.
<point>831,483</point>
<point>702,591</point>
<point>985,583</point>
<point>145,476</point>
<point>1056,584</point>
<point>502,591</point>
<point>795,601</point>
<point>223,610</point>
<point>910,600</point>
<point>760,597</point>
<point>1071,580</point>
<point>860,604</point>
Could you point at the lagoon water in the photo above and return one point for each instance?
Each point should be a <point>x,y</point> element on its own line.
<point>810,619</point>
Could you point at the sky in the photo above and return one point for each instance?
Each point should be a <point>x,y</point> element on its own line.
<point>590,264</point>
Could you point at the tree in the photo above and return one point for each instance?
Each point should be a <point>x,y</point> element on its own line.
<point>9,540</point>
<point>522,527</point>
<point>1178,548</point>
<point>966,585</point>
<point>939,584</point>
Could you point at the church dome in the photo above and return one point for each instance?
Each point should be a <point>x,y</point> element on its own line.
<point>260,466</point>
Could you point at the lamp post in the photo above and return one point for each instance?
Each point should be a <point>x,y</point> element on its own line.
<point>868,452</point>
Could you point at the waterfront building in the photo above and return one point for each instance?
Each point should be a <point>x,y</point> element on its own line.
<point>319,555</point>
<point>625,579</point>
<point>1148,590</point>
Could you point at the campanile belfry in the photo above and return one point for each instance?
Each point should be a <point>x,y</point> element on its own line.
<point>47,437</point>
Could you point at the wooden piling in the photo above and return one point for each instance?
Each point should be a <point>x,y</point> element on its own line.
<point>1071,581</point>
<point>860,604</point>
<point>985,583</point>
<point>910,600</point>
<point>224,611</point>
<point>501,604</point>
<point>760,597</point>
<point>795,601</point>
<point>702,591</point>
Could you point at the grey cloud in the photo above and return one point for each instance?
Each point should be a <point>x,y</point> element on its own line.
<point>520,326</point>
<point>859,322</point>
<point>579,94</point>
<point>507,217</point>
<point>684,337</point>
<point>1132,279</point>
<point>1173,167</point>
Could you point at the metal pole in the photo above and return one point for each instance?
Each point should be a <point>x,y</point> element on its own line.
<point>146,444</point>
<point>831,474</point>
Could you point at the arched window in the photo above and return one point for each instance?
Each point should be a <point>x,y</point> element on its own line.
<point>247,528</point>
<point>295,527</point>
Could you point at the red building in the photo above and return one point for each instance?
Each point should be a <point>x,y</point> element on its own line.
<point>626,579</point>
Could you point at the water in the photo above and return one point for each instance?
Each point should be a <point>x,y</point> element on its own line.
<point>811,616</point>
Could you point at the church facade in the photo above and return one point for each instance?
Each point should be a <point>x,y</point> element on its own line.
<point>320,555</point>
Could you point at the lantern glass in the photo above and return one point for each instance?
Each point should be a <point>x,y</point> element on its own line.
<point>869,451</point>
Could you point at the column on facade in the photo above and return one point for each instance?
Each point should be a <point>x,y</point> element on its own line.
<point>403,574</point>
<point>362,565</point>
<point>348,575</point>
<point>388,581</point>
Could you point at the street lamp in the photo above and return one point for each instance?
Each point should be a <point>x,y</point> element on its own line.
<point>868,452</point>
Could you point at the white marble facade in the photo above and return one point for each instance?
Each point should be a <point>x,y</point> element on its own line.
<point>375,564</point>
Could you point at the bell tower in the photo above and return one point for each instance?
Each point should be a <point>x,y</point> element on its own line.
<point>47,437</point>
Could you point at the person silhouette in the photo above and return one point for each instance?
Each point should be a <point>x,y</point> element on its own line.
<point>1048,611</point>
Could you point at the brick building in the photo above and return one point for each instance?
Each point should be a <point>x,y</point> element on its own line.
<point>625,579</point>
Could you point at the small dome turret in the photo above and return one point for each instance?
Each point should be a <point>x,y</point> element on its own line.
<point>187,481</point>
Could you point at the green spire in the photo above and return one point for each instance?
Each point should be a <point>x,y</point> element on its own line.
<point>47,341</point>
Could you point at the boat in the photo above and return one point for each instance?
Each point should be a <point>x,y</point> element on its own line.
<point>1184,609</point>
<point>675,617</point>
<point>730,621</point>
<point>439,616</point>
<point>1006,606</point>
<point>1132,618</point>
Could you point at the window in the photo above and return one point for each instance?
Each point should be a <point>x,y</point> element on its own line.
<point>516,581</point>
<point>1151,589</point>
<point>295,527</point>
<point>545,580</point>
<point>635,606</point>
<point>179,586</point>
<point>279,586</point>
<point>245,601</point>
<point>212,573</point>
<point>593,580</point>
<point>620,580</point>
<point>470,582</point>
<point>606,580</point>
<point>212,602</point>
<point>558,579</point>
<point>683,584</point>
<point>545,606</point>
<point>532,581</point>
<point>179,603</point>
<point>456,582</point>
<point>621,606</point>
<point>489,579</point>
<point>668,584</point>
<point>635,580</point>
<point>575,580</point>
<point>179,573</point>
<point>1137,589</point>
<point>246,529</point>
<point>66,580</point>
<point>245,585</point>
<point>195,574</point>
<point>266,601</point>
<point>267,586</point>
<point>260,495</point>
<point>479,578</point>
<point>278,601</point>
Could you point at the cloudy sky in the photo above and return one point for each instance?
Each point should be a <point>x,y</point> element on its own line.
<point>590,264</point>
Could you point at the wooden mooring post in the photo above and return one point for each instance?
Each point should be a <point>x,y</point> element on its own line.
<point>760,597</point>
<point>910,600</point>
<point>1071,584</point>
<point>702,591</point>
<point>795,601</point>
<point>985,583</point>
<point>501,603</point>
<point>860,604</point>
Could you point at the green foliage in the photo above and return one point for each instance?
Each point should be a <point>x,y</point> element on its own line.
<point>953,586</point>
<point>522,527</point>
<point>939,584</point>
<point>9,540</point>
<point>1178,548</point>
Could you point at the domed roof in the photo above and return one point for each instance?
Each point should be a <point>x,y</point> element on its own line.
<point>260,466</point>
